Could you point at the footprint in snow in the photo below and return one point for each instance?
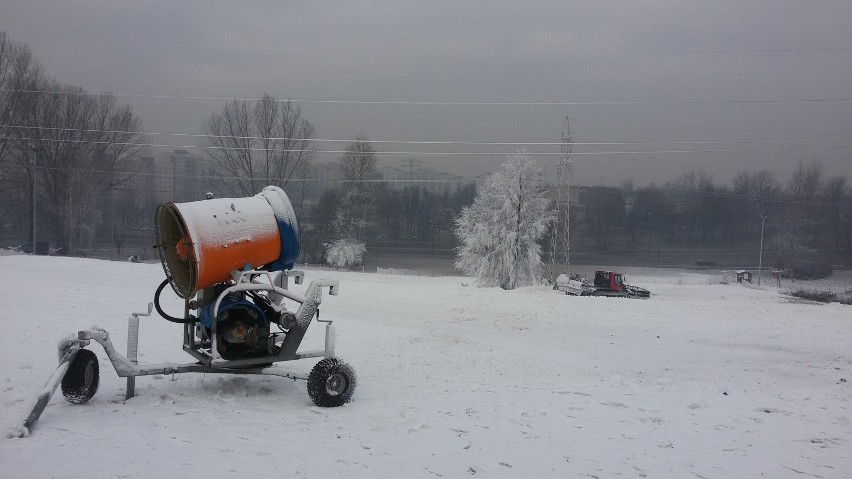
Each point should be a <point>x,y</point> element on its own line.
<point>824,442</point>
<point>578,393</point>
<point>772,410</point>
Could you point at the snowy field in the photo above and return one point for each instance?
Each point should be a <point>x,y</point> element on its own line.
<point>700,381</point>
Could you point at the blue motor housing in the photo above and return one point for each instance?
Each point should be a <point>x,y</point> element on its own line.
<point>233,305</point>
<point>288,227</point>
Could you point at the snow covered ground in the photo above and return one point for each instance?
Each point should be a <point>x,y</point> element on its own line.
<point>701,380</point>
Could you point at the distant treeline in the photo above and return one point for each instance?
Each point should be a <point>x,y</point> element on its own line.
<point>74,173</point>
<point>807,219</point>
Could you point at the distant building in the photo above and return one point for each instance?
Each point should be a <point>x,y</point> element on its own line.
<point>186,176</point>
<point>411,173</point>
<point>175,175</point>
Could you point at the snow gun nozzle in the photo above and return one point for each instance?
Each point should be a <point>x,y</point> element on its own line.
<point>201,242</point>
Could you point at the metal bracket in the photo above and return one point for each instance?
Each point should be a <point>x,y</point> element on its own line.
<point>133,347</point>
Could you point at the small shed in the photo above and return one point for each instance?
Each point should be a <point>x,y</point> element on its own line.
<point>743,275</point>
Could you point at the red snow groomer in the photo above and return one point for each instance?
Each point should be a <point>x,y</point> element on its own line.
<point>606,283</point>
<point>230,260</point>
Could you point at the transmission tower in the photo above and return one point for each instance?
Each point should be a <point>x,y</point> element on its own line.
<point>560,241</point>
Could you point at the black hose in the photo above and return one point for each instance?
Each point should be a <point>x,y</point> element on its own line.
<point>163,313</point>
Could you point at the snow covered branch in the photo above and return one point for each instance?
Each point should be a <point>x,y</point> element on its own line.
<point>499,232</point>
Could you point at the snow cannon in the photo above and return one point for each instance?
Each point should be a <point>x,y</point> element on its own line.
<point>230,260</point>
<point>201,242</point>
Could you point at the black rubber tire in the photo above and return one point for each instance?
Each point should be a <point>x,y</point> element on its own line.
<point>81,380</point>
<point>331,383</point>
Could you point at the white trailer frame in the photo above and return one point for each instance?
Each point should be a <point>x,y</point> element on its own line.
<point>209,360</point>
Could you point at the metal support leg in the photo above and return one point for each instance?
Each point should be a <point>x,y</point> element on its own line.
<point>133,348</point>
<point>329,339</point>
<point>132,351</point>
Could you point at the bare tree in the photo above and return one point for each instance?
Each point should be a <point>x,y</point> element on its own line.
<point>259,143</point>
<point>756,193</point>
<point>758,189</point>
<point>804,189</point>
<point>126,216</point>
<point>18,74</point>
<point>79,147</point>
<point>316,226</point>
<point>60,147</point>
<point>604,207</point>
<point>806,182</point>
<point>651,205</point>
<point>835,192</point>
<point>356,212</point>
<point>691,190</point>
<point>358,163</point>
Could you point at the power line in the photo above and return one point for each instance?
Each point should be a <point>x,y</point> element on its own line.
<point>710,128</point>
<point>425,153</point>
<point>446,103</point>
<point>747,50</point>
<point>679,193</point>
<point>425,142</point>
<point>835,48</point>
<point>132,174</point>
<point>602,154</point>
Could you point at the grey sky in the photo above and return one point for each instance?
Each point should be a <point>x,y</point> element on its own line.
<point>638,66</point>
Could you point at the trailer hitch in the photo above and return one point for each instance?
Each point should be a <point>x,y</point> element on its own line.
<point>68,349</point>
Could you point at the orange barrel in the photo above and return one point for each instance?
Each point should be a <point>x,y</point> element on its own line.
<point>201,242</point>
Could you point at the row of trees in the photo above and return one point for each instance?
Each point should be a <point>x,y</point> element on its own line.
<point>811,211</point>
<point>60,147</point>
<point>366,209</point>
<point>501,233</point>
<point>70,155</point>
<point>809,217</point>
<point>65,149</point>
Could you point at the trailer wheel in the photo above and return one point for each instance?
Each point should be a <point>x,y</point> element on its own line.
<point>81,380</point>
<point>331,383</point>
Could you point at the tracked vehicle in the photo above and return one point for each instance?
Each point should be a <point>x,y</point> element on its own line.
<point>606,283</point>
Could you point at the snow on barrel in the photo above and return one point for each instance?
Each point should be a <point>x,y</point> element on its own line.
<point>201,242</point>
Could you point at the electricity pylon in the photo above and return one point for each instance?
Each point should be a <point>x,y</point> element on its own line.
<point>560,241</point>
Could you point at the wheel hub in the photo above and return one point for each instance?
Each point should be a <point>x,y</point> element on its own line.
<point>88,375</point>
<point>335,384</point>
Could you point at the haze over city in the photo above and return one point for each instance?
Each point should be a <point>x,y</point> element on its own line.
<point>652,89</point>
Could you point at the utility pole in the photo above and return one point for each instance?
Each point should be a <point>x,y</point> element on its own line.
<point>760,260</point>
<point>560,241</point>
<point>411,164</point>
<point>70,212</point>
<point>35,164</point>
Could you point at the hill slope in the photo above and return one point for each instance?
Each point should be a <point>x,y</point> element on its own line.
<point>699,381</point>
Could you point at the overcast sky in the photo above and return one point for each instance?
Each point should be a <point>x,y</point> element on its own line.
<point>722,86</point>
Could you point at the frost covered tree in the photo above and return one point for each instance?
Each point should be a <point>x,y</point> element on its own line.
<point>499,232</point>
<point>354,216</point>
<point>350,226</point>
<point>345,253</point>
